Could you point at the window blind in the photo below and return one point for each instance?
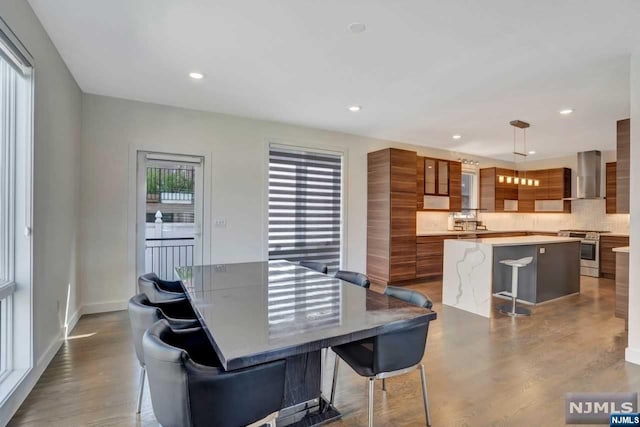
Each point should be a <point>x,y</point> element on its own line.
<point>305,199</point>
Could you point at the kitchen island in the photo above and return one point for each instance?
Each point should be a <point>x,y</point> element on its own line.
<point>472,272</point>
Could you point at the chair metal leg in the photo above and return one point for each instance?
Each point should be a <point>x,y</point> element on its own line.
<point>384,384</point>
<point>143,374</point>
<point>425,396</point>
<point>371,383</point>
<point>335,379</point>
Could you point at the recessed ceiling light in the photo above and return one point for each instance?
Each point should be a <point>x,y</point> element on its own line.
<point>566,111</point>
<point>357,27</point>
<point>196,76</point>
<point>532,152</point>
<point>355,108</point>
<point>456,136</point>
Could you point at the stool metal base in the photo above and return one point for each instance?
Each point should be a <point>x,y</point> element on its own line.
<point>516,311</point>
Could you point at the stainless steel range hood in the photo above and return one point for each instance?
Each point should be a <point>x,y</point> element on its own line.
<point>588,177</point>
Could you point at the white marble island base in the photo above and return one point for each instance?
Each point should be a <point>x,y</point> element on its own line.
<point>468,270</point>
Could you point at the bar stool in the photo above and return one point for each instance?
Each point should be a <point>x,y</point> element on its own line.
<point>511,309</point>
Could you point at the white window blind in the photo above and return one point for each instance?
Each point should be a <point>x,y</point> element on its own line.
<point>305,206</point>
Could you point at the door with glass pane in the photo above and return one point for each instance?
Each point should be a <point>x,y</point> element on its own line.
<point>170,211</point>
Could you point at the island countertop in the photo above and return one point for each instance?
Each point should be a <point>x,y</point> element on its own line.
<point>623,249</point>
<point>521,240</point>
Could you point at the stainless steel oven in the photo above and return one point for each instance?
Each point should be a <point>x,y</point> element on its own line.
<point>589,250</point>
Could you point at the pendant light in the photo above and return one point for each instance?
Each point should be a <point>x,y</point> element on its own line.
<point>518,180</point>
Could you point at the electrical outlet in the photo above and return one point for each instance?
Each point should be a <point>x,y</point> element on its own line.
<point>542,250</point>
<point>220,223</point>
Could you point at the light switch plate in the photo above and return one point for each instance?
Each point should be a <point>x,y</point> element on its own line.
<point>542,250</point>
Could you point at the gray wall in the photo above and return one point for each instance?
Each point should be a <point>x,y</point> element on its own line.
<point>58,106</point>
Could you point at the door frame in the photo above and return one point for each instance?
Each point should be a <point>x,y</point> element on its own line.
<point>133,268</point>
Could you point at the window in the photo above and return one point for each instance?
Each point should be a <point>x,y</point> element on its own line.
<point>469,190</point>
<point>16,83</point>
<point>305,205</point>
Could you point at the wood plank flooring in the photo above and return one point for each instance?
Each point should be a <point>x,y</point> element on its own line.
<point>498,372</point>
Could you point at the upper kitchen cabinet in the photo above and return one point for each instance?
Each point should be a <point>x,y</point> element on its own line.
<point>498,193</point>
<point>455,183</point>
<point>439,184</point>
<point>611,188</point>
<point>391,216</point>
<point>622,165</point>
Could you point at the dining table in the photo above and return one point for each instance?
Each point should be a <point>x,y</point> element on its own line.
<point>257,312</point>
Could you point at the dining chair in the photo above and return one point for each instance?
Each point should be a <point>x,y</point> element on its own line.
<point>143,314</point>
<point>353,277</point>
<point>189,387</point>
<point>158,290</point>
<point>388,355</point>
<point>316,266</point>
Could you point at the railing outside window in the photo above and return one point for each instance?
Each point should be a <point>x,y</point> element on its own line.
<point>166,185</point>
<point>163,255</point>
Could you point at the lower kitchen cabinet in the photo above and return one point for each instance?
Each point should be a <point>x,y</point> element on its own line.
<point>607,256</point>
<point>430,250</point>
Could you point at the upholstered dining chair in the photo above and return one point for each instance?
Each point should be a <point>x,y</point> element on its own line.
<point>143,314</point>
<point>388,355</point>
<point>158,290</point>
<point>353,277</point>
<point>189,388</point>
<point>315,266</point>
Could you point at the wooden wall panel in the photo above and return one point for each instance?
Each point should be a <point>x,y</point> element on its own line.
<point>623,165</point>
<point>610,188</point>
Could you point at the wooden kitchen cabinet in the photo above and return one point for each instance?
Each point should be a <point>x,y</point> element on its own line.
<point>429,181</point>
<point>542,190</point>
<point>493,193</point>
<point>391,216</point>
<point>436,177</point>
<point>455,183</point>
<point>623,147</point>
<point>611,188</point>
<point>526,193</point>
<point>553,184</point>
<point>430,255</point>
<point>430,250</point>
<point>558,183</point>
<point>607,256</point>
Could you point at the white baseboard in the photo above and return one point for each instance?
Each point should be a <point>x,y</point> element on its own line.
<point>103,307</point>
<point>632,355</point>
<point>12,404</point>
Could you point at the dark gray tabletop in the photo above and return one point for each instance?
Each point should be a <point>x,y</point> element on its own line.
<point>261,311</point>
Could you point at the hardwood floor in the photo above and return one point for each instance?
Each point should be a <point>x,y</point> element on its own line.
<point>498,372</point>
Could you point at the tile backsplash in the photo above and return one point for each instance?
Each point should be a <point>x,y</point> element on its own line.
<point>585,214</point>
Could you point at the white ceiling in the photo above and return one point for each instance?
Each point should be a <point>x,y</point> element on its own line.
<point>422,71</point>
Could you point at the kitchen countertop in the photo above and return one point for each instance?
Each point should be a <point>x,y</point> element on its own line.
<point>462,233</point>
<point>520,241</point>
<point>623,249</point>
